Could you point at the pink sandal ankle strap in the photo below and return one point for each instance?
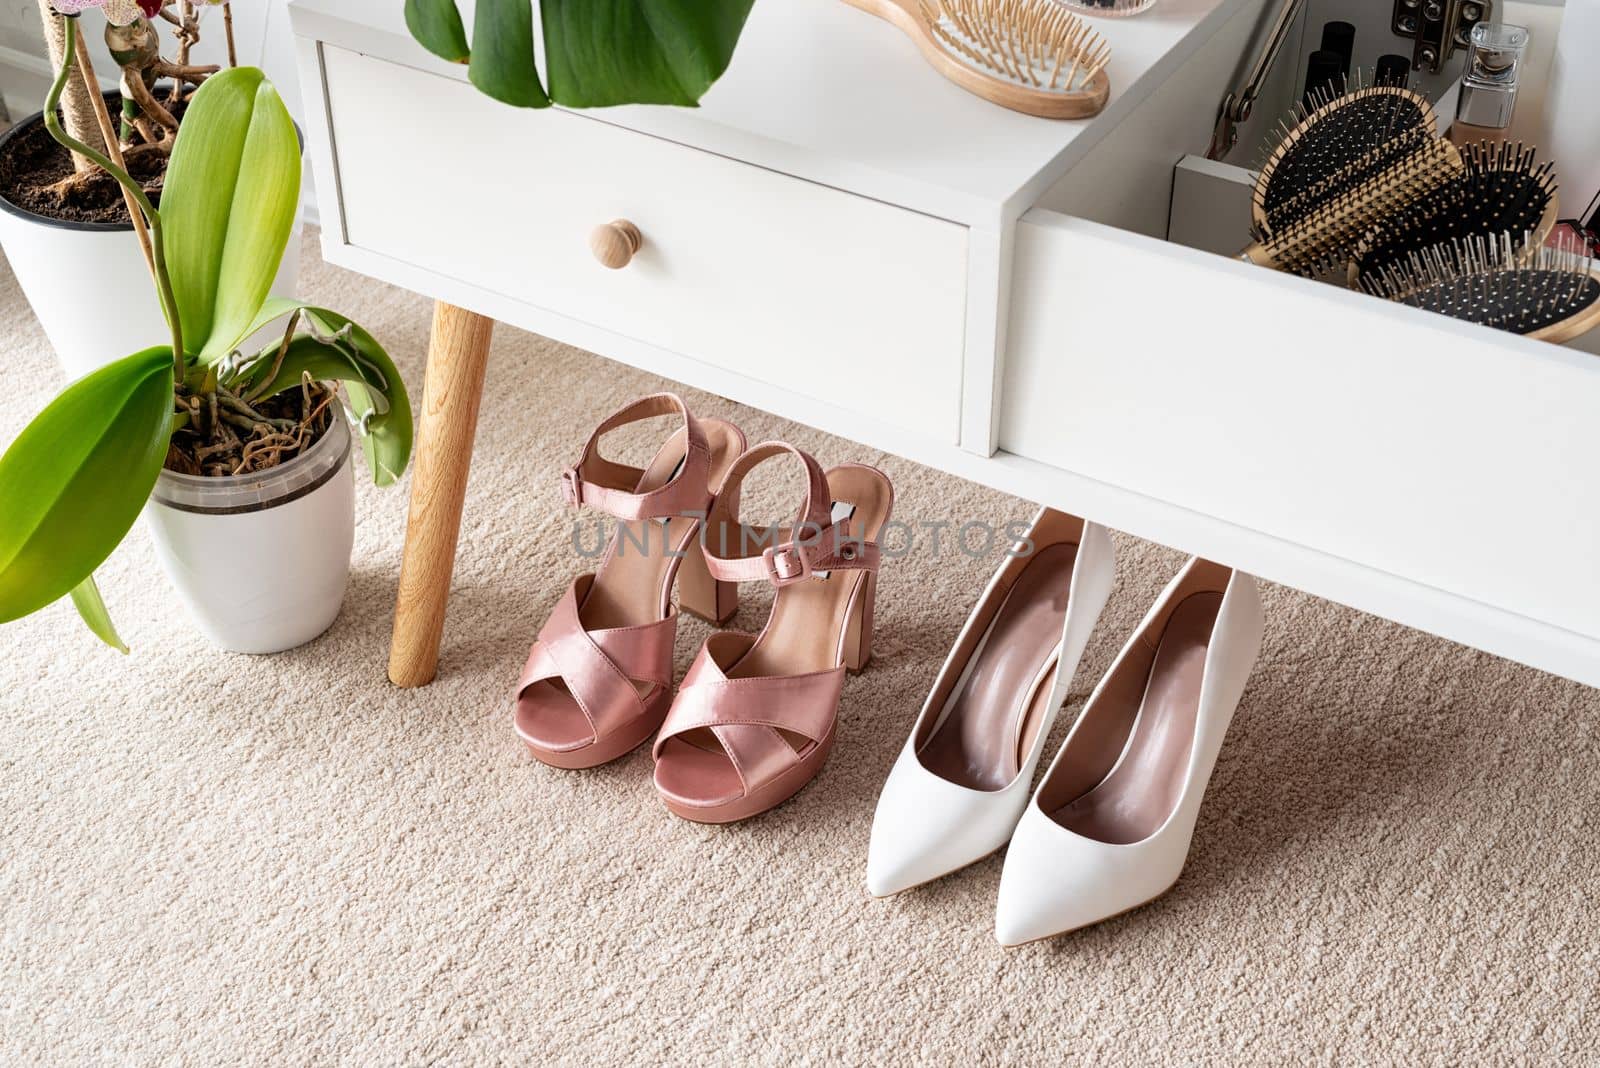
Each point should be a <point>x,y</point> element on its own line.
<point>735,552</point>
<point>610,487</point>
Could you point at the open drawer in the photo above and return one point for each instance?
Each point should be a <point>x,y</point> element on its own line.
<point>1425,469</point>
<point>1458,457</point>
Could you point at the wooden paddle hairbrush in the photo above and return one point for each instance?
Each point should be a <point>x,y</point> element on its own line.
<point>1544,292</point>
<point>1338,169</point>
<point>1501,194</point>
<point>1031,56</point>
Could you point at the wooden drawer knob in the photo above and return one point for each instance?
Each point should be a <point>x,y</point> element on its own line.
<point>614,243</point>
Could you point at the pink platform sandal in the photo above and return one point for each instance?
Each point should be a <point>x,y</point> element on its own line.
<point>754,719</point>
<point>598,681</point>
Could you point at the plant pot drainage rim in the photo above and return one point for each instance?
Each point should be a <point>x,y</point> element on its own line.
<point>259,490</point>
<point>21,126</point>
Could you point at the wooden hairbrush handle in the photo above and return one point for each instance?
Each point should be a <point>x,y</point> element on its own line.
<point>1048,104</point>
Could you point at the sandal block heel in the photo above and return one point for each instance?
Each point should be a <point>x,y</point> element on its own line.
<point>699,594</point>
<point>858,636</point>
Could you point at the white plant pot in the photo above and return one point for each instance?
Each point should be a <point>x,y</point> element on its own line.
<point>60,265</point>
<point>261,561</point>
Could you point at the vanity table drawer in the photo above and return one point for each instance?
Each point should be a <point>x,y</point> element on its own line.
<point>1458,457</point>
<point>843,299</point>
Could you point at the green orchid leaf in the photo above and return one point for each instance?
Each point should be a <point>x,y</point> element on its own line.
<point>436,24</point>
<point>336,349</point>
<point>272,308</point>
<point>600,53</point>
<point>502,63</point>
<point>76,477</point>
<point>92,607</point>
<point>228,205</point>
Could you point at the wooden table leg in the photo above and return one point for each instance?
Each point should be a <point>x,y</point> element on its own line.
<point>458,353</point>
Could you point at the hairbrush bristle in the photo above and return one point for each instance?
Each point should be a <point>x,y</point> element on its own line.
<point>1320,238</point>
<point>1501,189</point>
<point>1351,157</point>
<point>1314,100</point>
<point>1032,43</point>
<point>1344,139</point>
<point>1500,282</point>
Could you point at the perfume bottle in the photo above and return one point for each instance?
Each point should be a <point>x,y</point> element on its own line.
<point>1489,85</point>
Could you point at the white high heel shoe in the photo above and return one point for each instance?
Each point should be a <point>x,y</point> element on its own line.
<point>965,773</point>
<point>1110,826</point>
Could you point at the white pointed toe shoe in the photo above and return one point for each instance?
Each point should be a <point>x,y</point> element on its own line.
<point>1110,826</point>
<point>965,773</point>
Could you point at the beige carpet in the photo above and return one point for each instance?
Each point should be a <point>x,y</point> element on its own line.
<point>213,858</point>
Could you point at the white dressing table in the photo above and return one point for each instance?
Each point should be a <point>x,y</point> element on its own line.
<point>998,288</point>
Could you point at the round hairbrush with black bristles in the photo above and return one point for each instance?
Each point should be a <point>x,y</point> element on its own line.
<point>1338,169</point>
<point>1502,190</point>
<point>1551,294</point>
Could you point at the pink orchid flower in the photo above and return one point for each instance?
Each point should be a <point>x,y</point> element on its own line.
<point>117,12</point>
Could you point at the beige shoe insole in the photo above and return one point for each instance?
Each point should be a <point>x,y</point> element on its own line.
<point>1003,698</point>
<point>1142,789</point>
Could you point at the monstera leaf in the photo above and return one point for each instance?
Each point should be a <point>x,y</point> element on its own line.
<point>598,53</point>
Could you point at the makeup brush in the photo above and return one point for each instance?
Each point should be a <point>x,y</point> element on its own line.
<point>1031,56</point>
<point>1547,292</point>
<point>1339,168</point>
<point>1501,190</point>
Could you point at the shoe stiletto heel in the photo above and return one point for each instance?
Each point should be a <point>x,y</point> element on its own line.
<point>965,774</point>
<point>754,719</point>
<point>1110,826</point>
<point>598,681</point>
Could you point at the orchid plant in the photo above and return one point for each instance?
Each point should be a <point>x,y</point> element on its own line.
<point>149,124</point>
<point>74,481</point>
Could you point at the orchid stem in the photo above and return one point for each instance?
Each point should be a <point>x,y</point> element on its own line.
<point>52,123</point>
<point>227,28</point>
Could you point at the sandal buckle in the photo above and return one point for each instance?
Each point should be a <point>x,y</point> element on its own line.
<point>572,487</point>
<point>786,564</point>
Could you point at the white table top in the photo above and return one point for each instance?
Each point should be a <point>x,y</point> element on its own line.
<point>835,95</point>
